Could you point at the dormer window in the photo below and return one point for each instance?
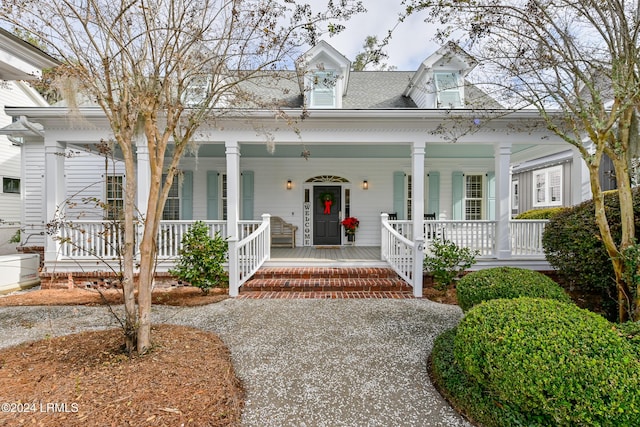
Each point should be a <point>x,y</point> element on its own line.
<point>448,90</point>
<point>196,91</point>
<point>323,93</point>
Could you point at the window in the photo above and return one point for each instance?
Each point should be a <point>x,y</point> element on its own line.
<point>323,90</point>
<point>196,91</point>
<point>171,210</point>
<point>448,90</point>
<point>547,187</point>
<point>224,196</point>
<point>473,197</point>
<point>515,194</point>
<point>114,197</point>
<point>11,185</point>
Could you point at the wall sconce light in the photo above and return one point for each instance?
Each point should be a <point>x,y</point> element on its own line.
<point>365,185</point>
<point>288,184</point>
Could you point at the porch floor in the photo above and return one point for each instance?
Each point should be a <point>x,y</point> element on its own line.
<point>369,256</point>
<point>329,256</point>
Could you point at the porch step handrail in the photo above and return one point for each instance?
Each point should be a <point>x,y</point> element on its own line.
<point>249,254</point>
<point>397,251</point>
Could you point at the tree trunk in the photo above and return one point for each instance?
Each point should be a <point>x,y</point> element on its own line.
<point>145,284</point>
<point>128,285</point>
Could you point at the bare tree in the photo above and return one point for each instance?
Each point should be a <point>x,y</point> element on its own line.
<point>159,69</point>
<point>578,63</point>
<point>372,56</point>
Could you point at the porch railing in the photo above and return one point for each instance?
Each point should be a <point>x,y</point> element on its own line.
<point>103,239</point>
<point>397,250</point>
<point>526,235</point>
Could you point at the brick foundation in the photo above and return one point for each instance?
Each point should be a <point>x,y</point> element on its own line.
<point>96,279</point>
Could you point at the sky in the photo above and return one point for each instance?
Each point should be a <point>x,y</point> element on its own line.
<point>411,42</point>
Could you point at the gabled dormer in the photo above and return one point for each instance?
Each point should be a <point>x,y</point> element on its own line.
<point>323,76</point>
<point>440,79</point>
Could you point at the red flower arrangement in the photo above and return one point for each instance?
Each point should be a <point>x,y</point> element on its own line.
<point>350,224</point>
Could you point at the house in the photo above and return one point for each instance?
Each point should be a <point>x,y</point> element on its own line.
<point>19,62</point>
<point>373,143</point>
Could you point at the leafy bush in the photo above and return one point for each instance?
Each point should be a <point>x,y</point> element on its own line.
<point>447,261</point>
<point>552,362</point>
<point>545,213</point>
<point>630,331</point>
<point>572,243</point>
<point>15,238</point>
<point>465,394</point>
<point>201,258</point>
<point>506,282</point>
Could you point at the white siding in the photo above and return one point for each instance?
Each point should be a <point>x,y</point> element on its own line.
<point>85,176</point>
<point>18,94</point>
<point>271,195</point>
<point>33,219</point>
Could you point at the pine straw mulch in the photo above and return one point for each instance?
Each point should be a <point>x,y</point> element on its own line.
<point>86,379</point>
<point>178,296</point>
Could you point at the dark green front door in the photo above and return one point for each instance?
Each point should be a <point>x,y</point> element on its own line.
<point>326,215</point>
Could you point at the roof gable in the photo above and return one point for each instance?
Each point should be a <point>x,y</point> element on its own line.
<point>20,60</point>
<point>323,56</point>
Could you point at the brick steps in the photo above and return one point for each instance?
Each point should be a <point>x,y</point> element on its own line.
<point>326,282</point>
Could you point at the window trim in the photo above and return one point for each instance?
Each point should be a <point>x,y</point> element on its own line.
<point>466,198</point>
<point>546,172</point>
<point>110,212</point>
<point>11,180</point>
<point>177,183</point>
<point>515,194</point>
<point>457,89</point>
<point>317,79</point>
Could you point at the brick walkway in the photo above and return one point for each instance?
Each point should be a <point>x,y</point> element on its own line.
<point>325,283</point>
<point>326,295</point>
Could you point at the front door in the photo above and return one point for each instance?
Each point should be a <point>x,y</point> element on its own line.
<point>326,215</point>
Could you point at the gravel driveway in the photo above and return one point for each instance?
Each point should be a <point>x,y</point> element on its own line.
<point>303,362</point>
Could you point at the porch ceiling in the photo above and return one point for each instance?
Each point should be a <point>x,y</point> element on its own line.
<point>436,151</point>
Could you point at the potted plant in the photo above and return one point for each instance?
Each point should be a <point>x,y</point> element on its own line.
<point>350,225</point>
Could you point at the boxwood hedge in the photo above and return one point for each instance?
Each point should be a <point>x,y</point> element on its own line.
<point>553,362</point>
<point>572,243</point>
<point>545,213</point>
<point>506,282</point>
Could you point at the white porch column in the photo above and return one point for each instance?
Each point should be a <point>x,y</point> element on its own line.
<point>143,176</point>
<point>233,212</point>
<point>55,192</point>
<point>580,186</point>
<point>417,170</point>
<point>502,154</point>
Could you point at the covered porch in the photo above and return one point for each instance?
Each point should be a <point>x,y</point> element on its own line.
<point>81,244</point>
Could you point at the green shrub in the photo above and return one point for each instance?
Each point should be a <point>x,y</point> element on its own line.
<point>545,213</point>
<point>572,243</point>
<point>448,261</point>
<point>15,238</point>
<point>465,394</point>
<point>201,258</point>
<point>630,331</point>
<point>506,282</point>
<point>552,362</point>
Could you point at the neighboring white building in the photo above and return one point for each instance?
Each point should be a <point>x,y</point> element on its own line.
<point>376,142</point>
<point>19,62</point>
